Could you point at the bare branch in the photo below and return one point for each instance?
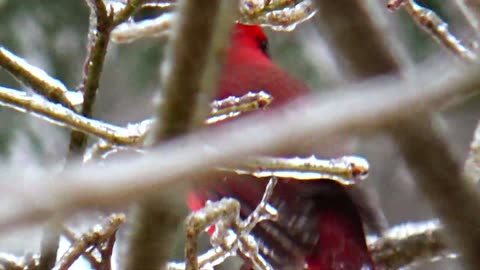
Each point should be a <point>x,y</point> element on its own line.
<point>62,116</point>
<point>231,107</point>
<point>99,33</point>
<point>470,9</point>
<point>98,235</point>
<point>279,15</point>
<point>131,31</point>
<point>127,11</point>
<point>38,80</point>
<point>346,170</point>
<point>72,237</point>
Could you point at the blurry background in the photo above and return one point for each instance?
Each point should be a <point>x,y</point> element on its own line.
<point>52,34</point>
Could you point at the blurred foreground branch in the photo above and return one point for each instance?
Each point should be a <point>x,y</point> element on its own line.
<point>326,116</point>
<point>156,219</point>
<point>408,244</point>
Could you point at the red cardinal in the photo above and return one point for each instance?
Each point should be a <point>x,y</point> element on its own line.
<point>319,226</point>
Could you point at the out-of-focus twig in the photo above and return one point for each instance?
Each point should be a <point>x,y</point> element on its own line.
<point>156,27</point>
<point>408,244</point>
<point>472,163</point>
<point>470,9</point>
<point>10,262</point>
<point>279,15</point>
<point>435,26</point>
<point>344,23</point>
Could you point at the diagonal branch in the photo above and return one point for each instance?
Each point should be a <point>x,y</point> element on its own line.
<point>31,199</point>
<point>62,116</point>
<point>37,79</point>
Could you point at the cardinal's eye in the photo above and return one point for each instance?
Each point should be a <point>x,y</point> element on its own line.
<point>264,47</point>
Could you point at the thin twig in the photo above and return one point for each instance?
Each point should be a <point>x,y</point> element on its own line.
<point>72,237</point>
<point>99,234</point>
<point>37,79</point>
<point>99,33</point>
<point>130,9</point>
<point>431,23</point>
<point>279,15</point>
<point>346,170</point>
<point>151,28</point>
<point>60,115</point>
<point>231,236</point>
<point>102,23</point>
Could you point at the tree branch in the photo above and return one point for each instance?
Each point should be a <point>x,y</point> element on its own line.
<point>37,79</point>
<point>323,115</point>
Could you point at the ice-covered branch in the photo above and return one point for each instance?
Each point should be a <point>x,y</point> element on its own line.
<point>431,23</point>
<point>39,81</point>
<point>279,15</point>
<point>98,236</point>
<point>62,116</point>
